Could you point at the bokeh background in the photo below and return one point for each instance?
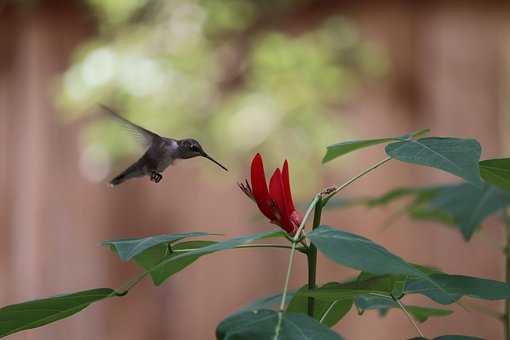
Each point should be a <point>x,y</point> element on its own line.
<point>284,78</point>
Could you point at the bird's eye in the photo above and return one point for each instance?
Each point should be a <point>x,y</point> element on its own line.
<point>194,148</point>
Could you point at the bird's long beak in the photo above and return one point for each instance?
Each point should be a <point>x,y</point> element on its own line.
<point>215,161</point>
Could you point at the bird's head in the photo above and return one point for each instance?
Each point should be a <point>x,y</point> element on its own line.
<point>190,148</point>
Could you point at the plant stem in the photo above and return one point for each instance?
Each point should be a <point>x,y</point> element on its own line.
<point>506,316</point>
<point>409,317</point>
<point>323,317</point>
<point>353,179</point>
<point>295,240</point>
<point>312,257</point>
<point>130,284</point>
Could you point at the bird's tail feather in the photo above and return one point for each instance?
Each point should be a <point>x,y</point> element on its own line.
<point>135,170</point>
<point>117,180</point>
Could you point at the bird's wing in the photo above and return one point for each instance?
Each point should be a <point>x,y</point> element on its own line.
<point>147,136</point>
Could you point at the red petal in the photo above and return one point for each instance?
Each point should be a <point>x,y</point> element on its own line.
<point>277,193</point>
<point>286,186</point>
<point>259,187</point>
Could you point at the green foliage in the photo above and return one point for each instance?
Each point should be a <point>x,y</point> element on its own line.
<point>496,172</point>
<point>469,206</point>
<point>439,287</point>
<point>161,268</point>
<point>385,281</point>
<point>451,337</point>
<point>269,302</point>
<point>340,149</point>
<point>207,69</point>
<point>459,285</point>
<point>419,313</point>
<point>463,205</point>
<point>37,313</point>
<point>360,253</point>
<point>376,286</point>
<point>418,195</point>
<point>150,258</point>
<point>457,156</point>
<point>129,248</point>
<point>343,148</point>
<point>327,311</point>
<point>267,324</point>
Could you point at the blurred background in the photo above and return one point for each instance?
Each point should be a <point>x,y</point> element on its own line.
<point>285,78</point>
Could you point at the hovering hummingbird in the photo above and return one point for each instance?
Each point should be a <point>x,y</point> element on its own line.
<point>161,152</point>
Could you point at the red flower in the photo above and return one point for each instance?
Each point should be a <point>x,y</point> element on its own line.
<point>276,202</point>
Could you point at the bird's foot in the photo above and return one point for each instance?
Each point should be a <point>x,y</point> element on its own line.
<point>156,177</point>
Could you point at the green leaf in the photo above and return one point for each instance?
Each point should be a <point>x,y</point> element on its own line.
<point>458,285</point>
<point>457,156</point>
<point>167,266</point>
<point>496,172</point>
<point>153,256</point>
<point>336,309</point>
<point>469,206</point>
<point>267,324</point>
<point>37,313</point>
<point>129,248</point>
<point>419,313</point>
<point>360,253</point>
<point>343,148</point>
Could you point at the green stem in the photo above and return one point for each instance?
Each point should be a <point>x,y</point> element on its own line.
<point>312,257</point>
<point>409,317</point>
<point>336,190</point>
<point>295,240</point>
<point>323,317</point>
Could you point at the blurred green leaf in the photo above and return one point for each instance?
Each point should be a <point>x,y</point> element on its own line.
<point>270,301</point>
<point>186,69</point>
<point>343,148</point>
<point>459,285</point>
<point>267,324</point>
<point>129,248</point>
<point>37,313</point>
<point>469,206</point>
<point>496,172</point>
<point>153,256</point>
<point>336,309</point>
<point>459,157</point>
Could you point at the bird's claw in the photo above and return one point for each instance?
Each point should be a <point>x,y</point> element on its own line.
<point>156,177</point>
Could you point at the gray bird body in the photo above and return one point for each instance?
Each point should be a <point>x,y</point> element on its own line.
<point>161,153</point>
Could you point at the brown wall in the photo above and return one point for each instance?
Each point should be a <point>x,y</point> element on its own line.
<point>448,73</point>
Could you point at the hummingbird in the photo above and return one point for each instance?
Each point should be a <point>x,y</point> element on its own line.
<point>161,152</point>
